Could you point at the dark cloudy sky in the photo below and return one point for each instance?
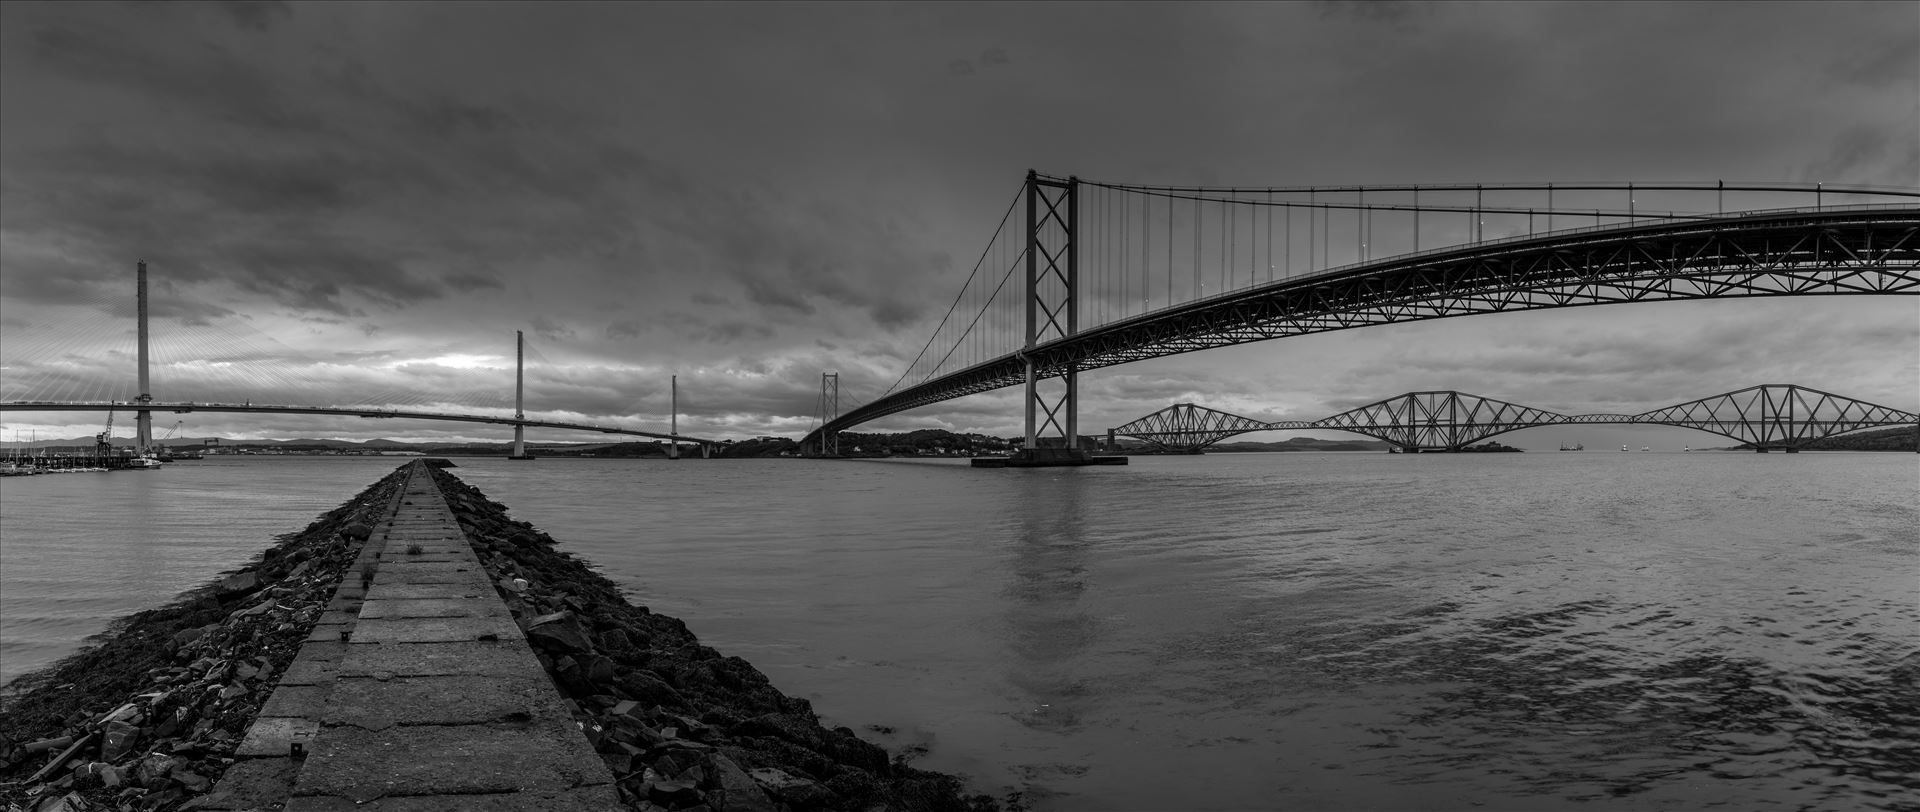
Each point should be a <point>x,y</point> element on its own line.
<point>374,196</point>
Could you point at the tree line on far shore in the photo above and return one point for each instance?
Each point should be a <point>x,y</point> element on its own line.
<point>1897,438</point>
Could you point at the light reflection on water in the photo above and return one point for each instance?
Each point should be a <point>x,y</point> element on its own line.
<point>1319,631</point>
<point>78,550</point>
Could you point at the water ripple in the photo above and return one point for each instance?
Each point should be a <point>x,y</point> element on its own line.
<point>1317,631</point>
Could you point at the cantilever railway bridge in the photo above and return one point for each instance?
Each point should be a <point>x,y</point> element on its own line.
<point>1781,417</point>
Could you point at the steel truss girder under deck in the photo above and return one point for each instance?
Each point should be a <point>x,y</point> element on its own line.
<point>1799,252</point>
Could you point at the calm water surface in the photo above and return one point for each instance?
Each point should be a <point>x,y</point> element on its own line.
<point>1300,631</point>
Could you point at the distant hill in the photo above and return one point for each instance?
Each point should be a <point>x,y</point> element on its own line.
<point>1301,444</point>
<point>118,442</point>
<point>88,440</point>
<point>1896,438</point>
<point>760,447</point>
<point>648,448</point>
<point>305,443</point>
<point>302,443</point>
<point>919,442</point>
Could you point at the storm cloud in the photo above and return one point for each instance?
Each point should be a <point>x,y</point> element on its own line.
<point>352,201</point>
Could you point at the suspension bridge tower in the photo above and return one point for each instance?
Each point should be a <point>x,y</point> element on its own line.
<point>1052,314</point>
<point>829,412</point>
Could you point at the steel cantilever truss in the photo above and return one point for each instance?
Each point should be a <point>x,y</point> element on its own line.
<point>1778,416</point>
<point>1791,252</point>
<point>1769,416</point>
<point>1420,421</point>
<point>1187,426</point>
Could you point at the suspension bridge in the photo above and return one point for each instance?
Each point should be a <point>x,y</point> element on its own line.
<point>1095,274</point>
<point>1081,275</point>
<point>1770,417</point>
<point>144,404</point>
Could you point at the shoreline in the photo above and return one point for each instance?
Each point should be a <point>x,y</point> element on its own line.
<point>187,677</point>
<point>152,710</point>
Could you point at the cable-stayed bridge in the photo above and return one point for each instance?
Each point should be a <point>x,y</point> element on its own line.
<point>1770,417</point>
<point>188,407</point>
<point>1083,274</point>
<point>55,384</point>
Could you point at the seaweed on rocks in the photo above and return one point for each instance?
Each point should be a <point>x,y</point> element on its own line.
<point>148,716</point>
<point>680,725</point>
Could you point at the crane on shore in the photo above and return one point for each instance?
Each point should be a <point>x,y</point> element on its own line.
<point>103,442</point>
<point>166,456</point>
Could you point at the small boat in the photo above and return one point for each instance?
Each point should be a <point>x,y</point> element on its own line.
<point>143,463</point>
<point>1644,448</point>
<point>1686,448</point>
<point>1623,446</point>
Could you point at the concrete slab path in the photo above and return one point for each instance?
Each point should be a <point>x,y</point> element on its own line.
<point>425,696</point>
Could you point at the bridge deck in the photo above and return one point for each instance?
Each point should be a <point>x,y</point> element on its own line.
<point>418,688</point>
<point>189,407</point>
<point>1853,250</point>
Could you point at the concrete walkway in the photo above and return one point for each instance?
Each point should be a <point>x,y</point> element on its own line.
<point>427,697</point>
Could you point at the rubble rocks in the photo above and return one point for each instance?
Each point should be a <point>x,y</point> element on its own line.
<point>149,719</point>
<point>120,740</point>
<point>738,791</point>
<point>558,633</point>
<point>681,726</point>
<point>236,585</point>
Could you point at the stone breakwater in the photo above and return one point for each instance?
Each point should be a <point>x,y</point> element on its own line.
<point>413,690</point>
<point>154,717</point>
<point>149,717</point>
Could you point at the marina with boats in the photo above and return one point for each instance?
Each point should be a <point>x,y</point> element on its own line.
<point>80,464</point>
<point>102,455</point>
<point>99,457</point>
